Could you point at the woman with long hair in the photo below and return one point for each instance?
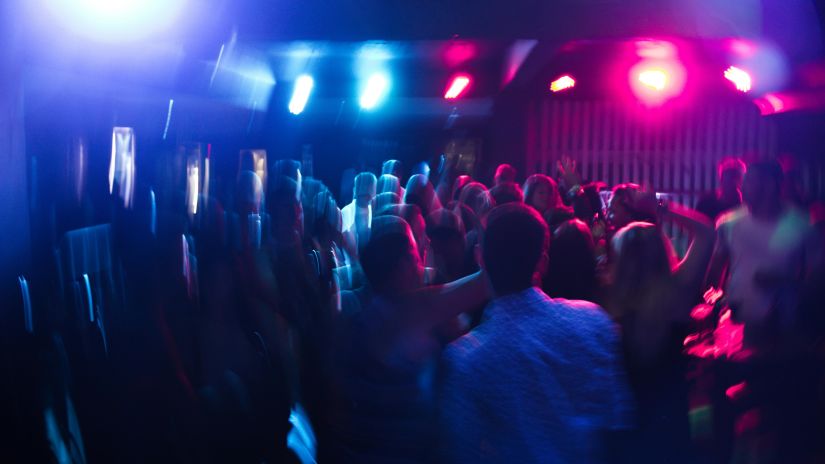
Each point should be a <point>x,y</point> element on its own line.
<point>650,297</point>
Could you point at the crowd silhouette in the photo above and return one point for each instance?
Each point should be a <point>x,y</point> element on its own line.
<point>429,319</point>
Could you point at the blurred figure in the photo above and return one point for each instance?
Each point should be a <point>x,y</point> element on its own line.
<point>476,196</point>
<point>447,242</point>
<point>357,216</point>
<point>412,215</point>
<point>571,271</point>
<point>387,353</point>
<point>764,252</point>
<point>422,168</point>
<point>458,186</point>
<point>508,192</point>
<point>623,209</point>
<point>542,193</point>
<point>731,172</point>
<point>383,200</point>
<point>505,174</point>
<point>393,168</point>
<point>420,192</point>
<point>388,183</point>
<point>539,380</point>
<point>651,297</point>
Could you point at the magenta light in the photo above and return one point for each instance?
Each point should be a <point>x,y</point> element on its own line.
<point>563,83</point>
<point>656,79</point>
<point>457,86</point>
<point>654,82</point>
<point>740,78</point>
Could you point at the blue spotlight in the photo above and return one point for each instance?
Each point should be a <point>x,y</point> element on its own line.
<point>374,91</point>
<point>115,20</point>
<point>300,95</point>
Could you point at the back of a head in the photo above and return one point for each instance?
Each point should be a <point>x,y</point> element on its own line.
<point>383,200</point>
<point>504,174</point>
<point>284,206</point>
<point>731,167</point>
<point>458,186</point>
<point>249,193</point>
<point>641,261</point>
<point>513,243</point>
<point>390,245</point>
<point>571,271</point>
<point>364,187</point>
<point>289,168</point>
<point>420,192</point>
<point>392,167</point>
<point>444,221</point>
<point>508,192</point>
<point>388,183</point>
<point>476,196</point>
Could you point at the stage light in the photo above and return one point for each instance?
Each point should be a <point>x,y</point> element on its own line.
<point>300,95</point>
<point>654,78</point>
<point>457,86</point>
<point>115,20</point>
<point>374,91</point>
<point>655,81</point>
<point>740,78</point>
<point>563,83</point>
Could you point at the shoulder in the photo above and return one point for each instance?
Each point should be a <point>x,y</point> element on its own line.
<point>732,217</point>
<point>585,321</point>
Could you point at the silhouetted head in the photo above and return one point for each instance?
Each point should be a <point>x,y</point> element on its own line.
<point>383,200</point>
<point>643,259</point>
<point>571,271</point>
<point>731,173</point>
<point>621,211</point>
<point>458,186</point>
<point>508,192</point>
<point>504,174</point>
<point>514,247</point>
<point>476,196</point>
<point>762,187</point>
<point>364,189</point>
<point>390,260</point>
<point>388,183</point>
<point>420,192</point>
<point>446,232</point>
<point>392,167</point>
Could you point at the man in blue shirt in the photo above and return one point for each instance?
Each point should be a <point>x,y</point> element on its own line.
<point>539,380</point>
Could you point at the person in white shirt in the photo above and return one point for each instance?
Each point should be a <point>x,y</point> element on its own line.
<point>764,251</point>
<point>357,216</point>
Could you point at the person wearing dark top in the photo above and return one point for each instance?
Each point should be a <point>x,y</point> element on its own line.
<point>651,297</point>
<point>386,353</point>
<point>731,172</point>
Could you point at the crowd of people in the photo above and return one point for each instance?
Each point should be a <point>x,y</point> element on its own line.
<point>439,320</point>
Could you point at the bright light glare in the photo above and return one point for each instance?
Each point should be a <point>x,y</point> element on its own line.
<point>115,20</point>
<point>300,95</point>
<point>655,81</point>
<point>374,91</point>
<point>654,78</point>
<point>563,83</point>
<point>740,78</point>
<point>458,85</point>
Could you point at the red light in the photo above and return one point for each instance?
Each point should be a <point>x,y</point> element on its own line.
<point>457,86</point>
<point>656,81</point>
<point>741,79</point>
<point>563,83</point>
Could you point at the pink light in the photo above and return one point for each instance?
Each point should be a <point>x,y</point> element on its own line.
<point>563,83</point>
<point>740,78</point>
<point>654,78</point>
<point>736,391</point>
<point>656,81</point>
<point>457,86</point>
<point>655,49</point>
